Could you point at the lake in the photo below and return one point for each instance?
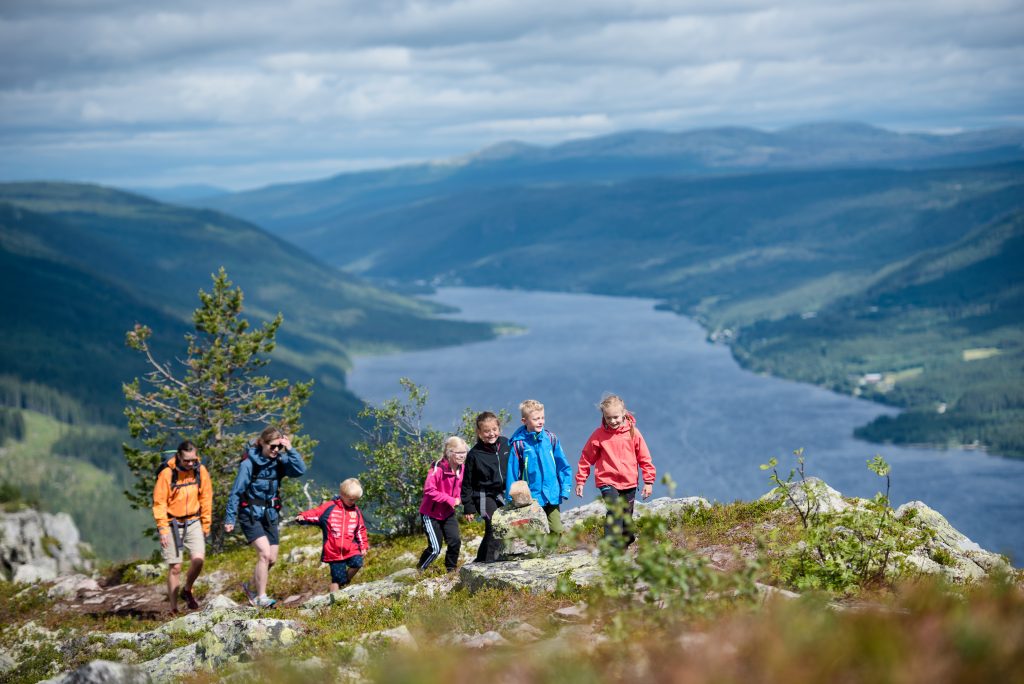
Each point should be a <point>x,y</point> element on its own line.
<point>707,421</point>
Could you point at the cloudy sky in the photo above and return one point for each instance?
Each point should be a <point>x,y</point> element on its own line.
<point>240,93</point>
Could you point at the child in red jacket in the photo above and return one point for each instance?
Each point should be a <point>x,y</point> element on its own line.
<point>345,539</point>
<point>616,450</point>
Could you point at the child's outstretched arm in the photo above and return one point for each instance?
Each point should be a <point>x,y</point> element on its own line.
<point>587,459</point>
<point>312,516</point>
<point>647,470</point>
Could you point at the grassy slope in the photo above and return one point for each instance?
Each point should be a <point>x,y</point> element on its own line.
<point>914,631</point>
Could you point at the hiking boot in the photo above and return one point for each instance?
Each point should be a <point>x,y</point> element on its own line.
<point>189,599</point>
<point>250,595</point>
<point>263,602</point>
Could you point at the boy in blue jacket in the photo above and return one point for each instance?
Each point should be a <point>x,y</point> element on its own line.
<point>537,457</point>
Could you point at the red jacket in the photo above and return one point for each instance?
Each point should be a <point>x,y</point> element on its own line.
<point>344,530</point>
<point>615,456</point>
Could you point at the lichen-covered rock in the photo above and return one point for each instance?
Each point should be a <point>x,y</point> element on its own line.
<point>536,575</point>
<point>104,672</point>
<point>37,546</point>
<point>391,586</point>
<point>238,640</point>
<point>511,525</point>
<point>946,550</point>
<point>201,620</point>
<point>664,506</point>
<point>397,636</point>
<point>812,495</point>
<point>135,639</point>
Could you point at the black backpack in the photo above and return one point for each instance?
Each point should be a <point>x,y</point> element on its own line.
<point>165,457</point>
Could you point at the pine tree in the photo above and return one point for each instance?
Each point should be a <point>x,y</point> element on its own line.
<point>216,396</point>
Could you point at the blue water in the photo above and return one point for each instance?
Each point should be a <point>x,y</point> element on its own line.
<point>708,422</point>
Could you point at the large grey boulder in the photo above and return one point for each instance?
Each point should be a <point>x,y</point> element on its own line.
<point>104,672</point>
<point>37,546</point>
<point>536,575</point>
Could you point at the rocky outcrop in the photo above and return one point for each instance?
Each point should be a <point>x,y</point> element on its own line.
<point>664,506</point>
<point>38,546</point>
<point>536,575</point>
<point>946,550</point>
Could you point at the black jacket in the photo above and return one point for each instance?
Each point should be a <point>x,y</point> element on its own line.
<point>485,472</point>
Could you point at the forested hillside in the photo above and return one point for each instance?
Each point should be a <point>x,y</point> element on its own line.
<point>83,264</point>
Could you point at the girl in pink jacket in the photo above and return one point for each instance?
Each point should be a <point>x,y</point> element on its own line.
<point>441,494</point>
<point>616,451</point>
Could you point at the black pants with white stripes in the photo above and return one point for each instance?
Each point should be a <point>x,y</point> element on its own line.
<point>448,530</point>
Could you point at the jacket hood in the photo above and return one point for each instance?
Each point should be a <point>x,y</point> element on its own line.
<point>627,424</point>
<point>521,434</point>
<point>256,456</point>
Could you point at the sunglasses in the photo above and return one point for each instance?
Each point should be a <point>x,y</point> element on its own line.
<point>275,447</point>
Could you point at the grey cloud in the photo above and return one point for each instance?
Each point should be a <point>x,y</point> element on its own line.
<point>245,86</point>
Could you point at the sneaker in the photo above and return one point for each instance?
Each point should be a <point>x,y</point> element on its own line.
<point>189,599</point>
<point>250,595</point>
<point>264,602</point>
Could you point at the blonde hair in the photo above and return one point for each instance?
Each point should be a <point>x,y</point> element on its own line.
<point>615,400</point>
<point>454,442</point>
<point>529,406</point>
<point>351,488</point>
<point>610,400</point>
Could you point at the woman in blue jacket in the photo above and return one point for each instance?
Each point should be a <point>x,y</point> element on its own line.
<point>255,501</point>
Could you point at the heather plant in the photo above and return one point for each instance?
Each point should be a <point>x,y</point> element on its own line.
<point>842,550</point>
<point>663,573</point>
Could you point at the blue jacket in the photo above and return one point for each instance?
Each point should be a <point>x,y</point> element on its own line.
<point>547,470</point>
<point>259,477</point>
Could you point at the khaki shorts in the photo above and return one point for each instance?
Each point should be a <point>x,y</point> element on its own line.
<point>194,542</point>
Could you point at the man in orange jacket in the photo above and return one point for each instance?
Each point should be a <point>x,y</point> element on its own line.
<point>183,510</point>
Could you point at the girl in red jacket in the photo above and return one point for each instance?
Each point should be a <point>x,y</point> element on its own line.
<point>442,492</point>
<point>616,450</point>
<point>345,540</point>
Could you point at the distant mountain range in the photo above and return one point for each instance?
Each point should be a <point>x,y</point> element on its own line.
<point>738,227</point>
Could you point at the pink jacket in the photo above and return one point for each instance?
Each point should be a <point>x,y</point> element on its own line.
<point>615,456</point>
<point>442,490</point>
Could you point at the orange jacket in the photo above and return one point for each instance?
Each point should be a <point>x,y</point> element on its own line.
<point>183,501</point>
<point>615,456</point>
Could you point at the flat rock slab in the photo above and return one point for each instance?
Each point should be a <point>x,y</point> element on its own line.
<point>121,599</point>
<point>536,575</point>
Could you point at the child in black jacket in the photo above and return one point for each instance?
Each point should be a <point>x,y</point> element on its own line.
<point>483,487</point>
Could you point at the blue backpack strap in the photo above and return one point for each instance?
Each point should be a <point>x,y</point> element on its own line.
<point>520,452</point>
